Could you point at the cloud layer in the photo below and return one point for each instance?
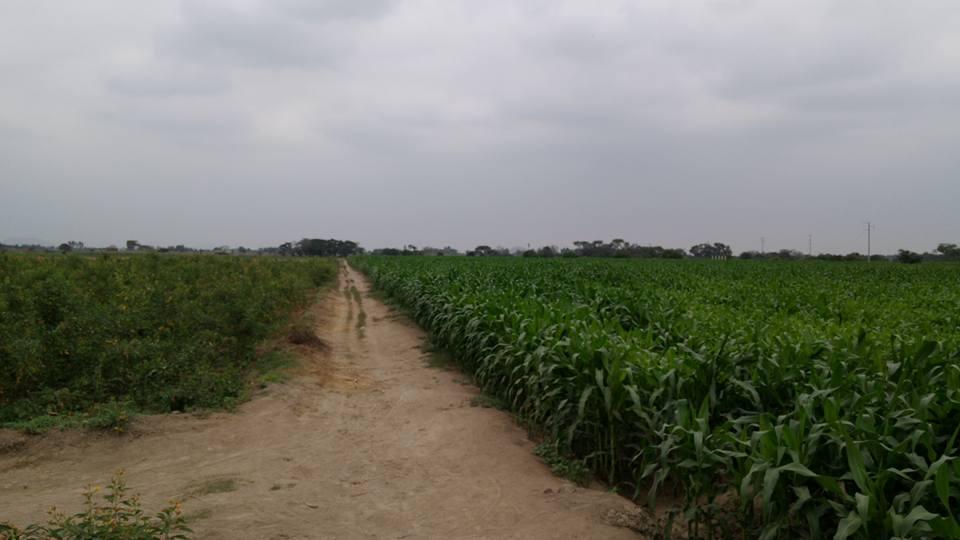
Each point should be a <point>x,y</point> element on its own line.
<point>454,122</point>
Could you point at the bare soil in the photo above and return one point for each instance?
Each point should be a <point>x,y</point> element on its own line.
<point>364,441</point>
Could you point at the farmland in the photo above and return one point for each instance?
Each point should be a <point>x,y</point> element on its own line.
<point>82,336</point>
<point>807,399</point>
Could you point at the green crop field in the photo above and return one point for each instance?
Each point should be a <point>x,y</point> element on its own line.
<point>808,399</point>
<point>151,333</point>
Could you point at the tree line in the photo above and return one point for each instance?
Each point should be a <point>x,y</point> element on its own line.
<point>318,247</point>
<point>616,248</point>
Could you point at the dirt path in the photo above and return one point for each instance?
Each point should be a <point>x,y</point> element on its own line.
<point>366,441</point>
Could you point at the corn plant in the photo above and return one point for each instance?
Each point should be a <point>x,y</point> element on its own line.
<point>823,398</point>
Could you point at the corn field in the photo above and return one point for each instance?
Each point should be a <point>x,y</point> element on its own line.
<point>808,400</point>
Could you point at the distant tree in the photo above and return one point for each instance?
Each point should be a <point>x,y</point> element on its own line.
<point>530,253</point>
<point>949,251</point>
<point>316,247</point>
<point>717,250</point>
<point>788,254</point>
<point>702,251</point>
<point>568,253</point>
<point>484,251</point>
<point>909,257</point>
<point>547,251</point>
<point>132,245</point>
<point>65,248</point>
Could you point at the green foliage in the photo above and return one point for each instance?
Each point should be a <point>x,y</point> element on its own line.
<point>120,516</point>
<point>566,466</point>
<point>87,340</point>
<point>826,396</point>
<point>909,257</point>
<point>112,416</point>
<point>489,402</point>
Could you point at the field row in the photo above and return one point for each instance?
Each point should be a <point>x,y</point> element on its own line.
<point>825,397</point>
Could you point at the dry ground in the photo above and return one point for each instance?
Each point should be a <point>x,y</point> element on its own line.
<point>365,441</point>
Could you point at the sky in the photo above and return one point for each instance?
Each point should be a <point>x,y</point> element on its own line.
<point>457,122</point>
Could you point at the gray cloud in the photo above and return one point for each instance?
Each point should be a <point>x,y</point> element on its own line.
<point>161,81</point>
<point>283,34</point>
<point>448,122</point>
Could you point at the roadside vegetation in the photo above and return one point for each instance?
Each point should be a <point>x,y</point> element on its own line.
<point>89,340</point>
<point>809,400</point>
<point>115,515</point>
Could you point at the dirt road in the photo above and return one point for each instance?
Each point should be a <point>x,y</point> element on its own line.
<point>366,441</point>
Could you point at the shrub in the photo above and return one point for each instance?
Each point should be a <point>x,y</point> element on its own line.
<point>120,516</point>
<point>155,332</point>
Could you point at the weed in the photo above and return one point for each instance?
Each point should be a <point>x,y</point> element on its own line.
<point>274,366</point>
<point>361,322</point>
<point>437,358</point>
<point>114,416</point>
<point>198,515</point>
<point>563,465</point>
<point>489,402</point>
<point>210,487</point>
<point>119,517</point>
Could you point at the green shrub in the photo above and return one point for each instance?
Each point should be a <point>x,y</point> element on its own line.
<point>120,516</point>
<point>156,332</point>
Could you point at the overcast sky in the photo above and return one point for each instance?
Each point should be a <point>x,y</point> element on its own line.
<point>438,122</point>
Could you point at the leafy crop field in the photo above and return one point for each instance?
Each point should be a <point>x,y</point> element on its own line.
<point>155,333</point>
<point>809,399</point>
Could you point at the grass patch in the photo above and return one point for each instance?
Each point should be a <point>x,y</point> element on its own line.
<point>198,515</point>
<point>274,367</point>
<point>437,358</point>
<point>489,402</point>
<point>211,487</point>
<point>114,416</point>
<point>361,322</point>
<point>42,424</point>
<point>563,465</point>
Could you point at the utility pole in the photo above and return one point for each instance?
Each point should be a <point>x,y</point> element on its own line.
<point>809,245</point>
<point>763,245</point>
<point>870,228</point>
